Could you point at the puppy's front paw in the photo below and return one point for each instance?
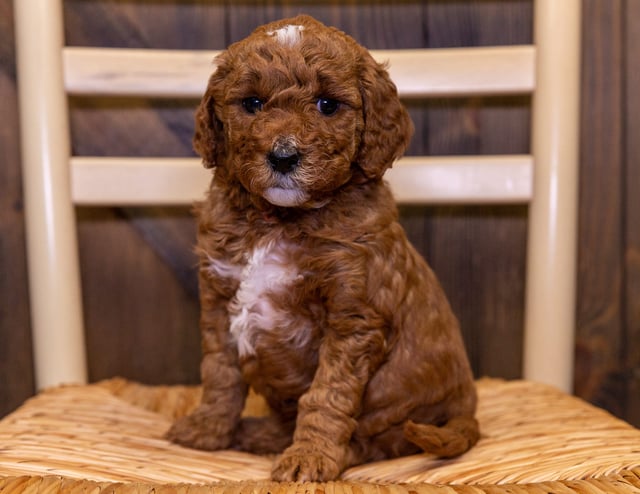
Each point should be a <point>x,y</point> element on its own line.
<point>203,429</point>
<point>304,464</point>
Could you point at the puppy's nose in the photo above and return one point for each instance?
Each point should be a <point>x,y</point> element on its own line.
<point>285,162</point>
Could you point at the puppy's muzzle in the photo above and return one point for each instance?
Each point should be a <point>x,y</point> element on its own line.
<point>284,156</point>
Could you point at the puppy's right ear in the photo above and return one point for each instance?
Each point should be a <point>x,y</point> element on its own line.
<point>207,139</point>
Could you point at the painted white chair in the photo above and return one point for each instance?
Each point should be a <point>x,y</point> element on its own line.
<point>55,181</point>
<point>107,436</point>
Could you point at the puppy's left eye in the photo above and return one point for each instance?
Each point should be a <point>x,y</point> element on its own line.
<point>327,106</point>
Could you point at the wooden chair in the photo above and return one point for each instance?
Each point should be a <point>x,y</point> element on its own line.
<point>524,423</point>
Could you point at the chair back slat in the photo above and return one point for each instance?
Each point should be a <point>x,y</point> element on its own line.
<point>181,73</point>
<point>109,181</point>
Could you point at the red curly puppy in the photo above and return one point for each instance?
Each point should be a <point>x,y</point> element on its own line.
<point>310,290</point>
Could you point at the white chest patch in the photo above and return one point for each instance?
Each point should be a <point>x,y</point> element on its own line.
<point>289,35</point>
<point>268,271</point>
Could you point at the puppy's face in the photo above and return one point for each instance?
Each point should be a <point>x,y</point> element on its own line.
<point>285,113</point>
<point>292,115</point>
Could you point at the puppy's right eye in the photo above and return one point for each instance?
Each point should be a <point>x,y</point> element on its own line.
<point>252,104</point>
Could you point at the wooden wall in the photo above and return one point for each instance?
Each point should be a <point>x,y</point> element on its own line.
<point>138,271</point>
<point>16,368</point>
<point>608,311</point>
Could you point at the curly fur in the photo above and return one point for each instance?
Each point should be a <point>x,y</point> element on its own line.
<point>310,291</point>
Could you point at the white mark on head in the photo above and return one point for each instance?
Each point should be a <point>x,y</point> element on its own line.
<point>289,35</point>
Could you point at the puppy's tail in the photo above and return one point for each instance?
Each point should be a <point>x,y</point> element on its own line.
<point>452,439</point>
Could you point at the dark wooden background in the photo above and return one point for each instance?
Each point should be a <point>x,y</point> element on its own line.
<point>138,270</point>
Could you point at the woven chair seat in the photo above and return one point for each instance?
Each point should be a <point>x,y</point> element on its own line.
<point>108,437</point>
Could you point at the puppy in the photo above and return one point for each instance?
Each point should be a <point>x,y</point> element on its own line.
<point>310,291</point>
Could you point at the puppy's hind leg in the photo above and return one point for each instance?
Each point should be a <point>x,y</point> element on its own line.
<point>455,437</point>
<point>263,435</point>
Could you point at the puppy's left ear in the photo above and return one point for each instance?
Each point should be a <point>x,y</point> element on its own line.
<point>387,125</point>
<point>203,139</point>
<point>208,137</point>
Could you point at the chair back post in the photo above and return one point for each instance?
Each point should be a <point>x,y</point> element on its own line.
<point>551,255</point>
<point>56,313</point>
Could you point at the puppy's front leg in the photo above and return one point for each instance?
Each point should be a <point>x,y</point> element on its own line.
<point>327,412</point>
<point>212,424</point>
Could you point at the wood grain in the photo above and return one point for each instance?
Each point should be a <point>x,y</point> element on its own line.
<point>146,324</point>
<point>478,252</point>
<point>140,321</point>
<point>632,212</point>
<point>600,322</point>
<point>16,364</point>
<point>197,24</point>
<point>376,25</point>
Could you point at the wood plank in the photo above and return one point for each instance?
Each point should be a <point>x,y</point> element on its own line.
<point>112,181</point>
<point>632,212</point>
<point>157,339</point>
<point>137,72</point>
<point>193,24</point>
<point>376,25</point>
<point>478,255</point>
<point>179,73</point>
<point>479,23</point>
<point>478,252</point>
<point>600,271</point>
<point>131,127</point>
<point>140,322</point>
<point>16,364</point>
<point>462,179</point>
<point>171,231</point>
